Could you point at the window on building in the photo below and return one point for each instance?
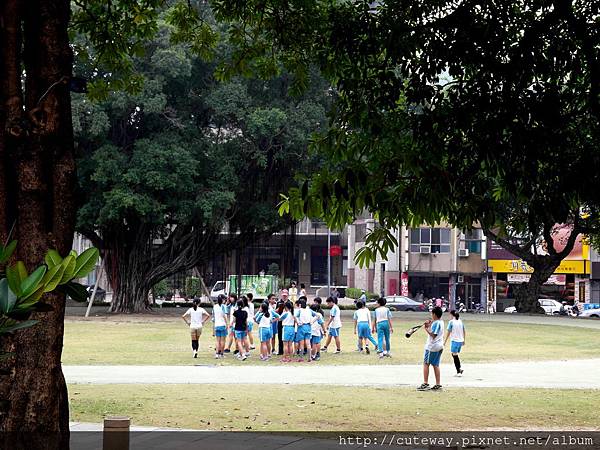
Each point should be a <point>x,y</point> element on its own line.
<point>360,232</point>
<point>430,240</point>
<point>473,240</point>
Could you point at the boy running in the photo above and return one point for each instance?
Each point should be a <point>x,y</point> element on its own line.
<point>433,349</point>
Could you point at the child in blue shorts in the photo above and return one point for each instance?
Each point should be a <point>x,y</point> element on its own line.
<point>456,333</point>
<point>333,324</point>
<point>264,318</point>
<point>433,349</point>
<point>239,323</point>
<point>317,329</point>
<point>288,322</point>
<point>362,327</point>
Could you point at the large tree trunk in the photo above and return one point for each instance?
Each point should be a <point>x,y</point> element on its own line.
<point>127,268</point>
<point>36,193</point>
<point>527,295</point>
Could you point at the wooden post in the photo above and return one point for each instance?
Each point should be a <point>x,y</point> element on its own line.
<point>116,433</point>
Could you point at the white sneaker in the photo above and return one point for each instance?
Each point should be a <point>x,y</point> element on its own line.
<point>217,356</point>
<point>388,354</point>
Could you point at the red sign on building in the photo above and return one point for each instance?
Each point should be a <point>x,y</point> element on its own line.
<point>335,250</point>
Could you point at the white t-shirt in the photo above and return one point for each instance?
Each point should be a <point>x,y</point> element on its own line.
<point>363,315</point>
<point>335,313</point>
<point>457,330</point>
<point>196,317</point>
<point>287,319</point>
<point>219,316</point>
<point>435,344</point>
<point>382,314</point>
<point>250,310</point>
<point>304,315</point>
<point>315,327</point>
<point>264,321</point>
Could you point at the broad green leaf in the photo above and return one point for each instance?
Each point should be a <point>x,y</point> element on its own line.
<point>36,294</point>
<point>13,279</point>
<point>7,297</point>
<point>76,291</point>
<point>6,252</point>
<point>52,258</point>
<point>20,265</point>
<point>69,266</point>
<point>14,326</point>
<point>32,282</point>
<point>53,277</point>
<point>86,262</point>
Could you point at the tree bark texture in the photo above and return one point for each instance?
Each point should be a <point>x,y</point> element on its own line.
<point>527,294</point>
<point>37,180</point>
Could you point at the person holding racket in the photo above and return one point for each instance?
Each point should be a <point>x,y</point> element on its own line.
<point>433,349</point>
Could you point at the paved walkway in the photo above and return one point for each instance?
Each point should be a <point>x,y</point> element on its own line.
<point>565,374</point>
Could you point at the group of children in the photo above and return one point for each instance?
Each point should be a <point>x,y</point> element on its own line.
<point>301,329</point>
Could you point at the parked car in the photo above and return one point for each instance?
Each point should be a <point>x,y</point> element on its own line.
<point>400,303</point>
<point>551,306</point>
<point>100,293</point>
<point>593,313</point>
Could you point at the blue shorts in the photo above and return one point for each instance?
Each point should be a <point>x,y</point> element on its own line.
<point>265,334</point>
<point>297,337</point>
<point>315,339</point>
<point>250,326</point>
<point>240,334</point>
<point>363,330</point>
<point>432,358</point>
<point>304,332</point>
<point>221,331</point>
<point>274,328</point>
<point>456,347</point>
<point>289,333</point>
<point>334,332</point>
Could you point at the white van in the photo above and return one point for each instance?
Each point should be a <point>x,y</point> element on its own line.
<point>220,287</point>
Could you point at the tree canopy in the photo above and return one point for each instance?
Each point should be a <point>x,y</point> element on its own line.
<point>163,171</point>
<point>474,114</point>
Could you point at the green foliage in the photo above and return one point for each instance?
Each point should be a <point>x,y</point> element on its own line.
<point>193,288</point>
<point>443,111</point>
<point>356,293</point>
<point>273,269</point>
<point>20,291</point>
<point>161,289</point>
<point>190,153</point>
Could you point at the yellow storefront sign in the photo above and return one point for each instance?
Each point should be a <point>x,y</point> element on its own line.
<point>518,266</point>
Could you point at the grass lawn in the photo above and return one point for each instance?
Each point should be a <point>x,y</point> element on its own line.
<point>106,341</point>
<point>326,408</point>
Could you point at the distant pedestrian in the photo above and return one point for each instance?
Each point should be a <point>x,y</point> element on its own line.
<point>302,290</point>
<point>293,292</point>
<point>335,293</point>
<point>197,317</point>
